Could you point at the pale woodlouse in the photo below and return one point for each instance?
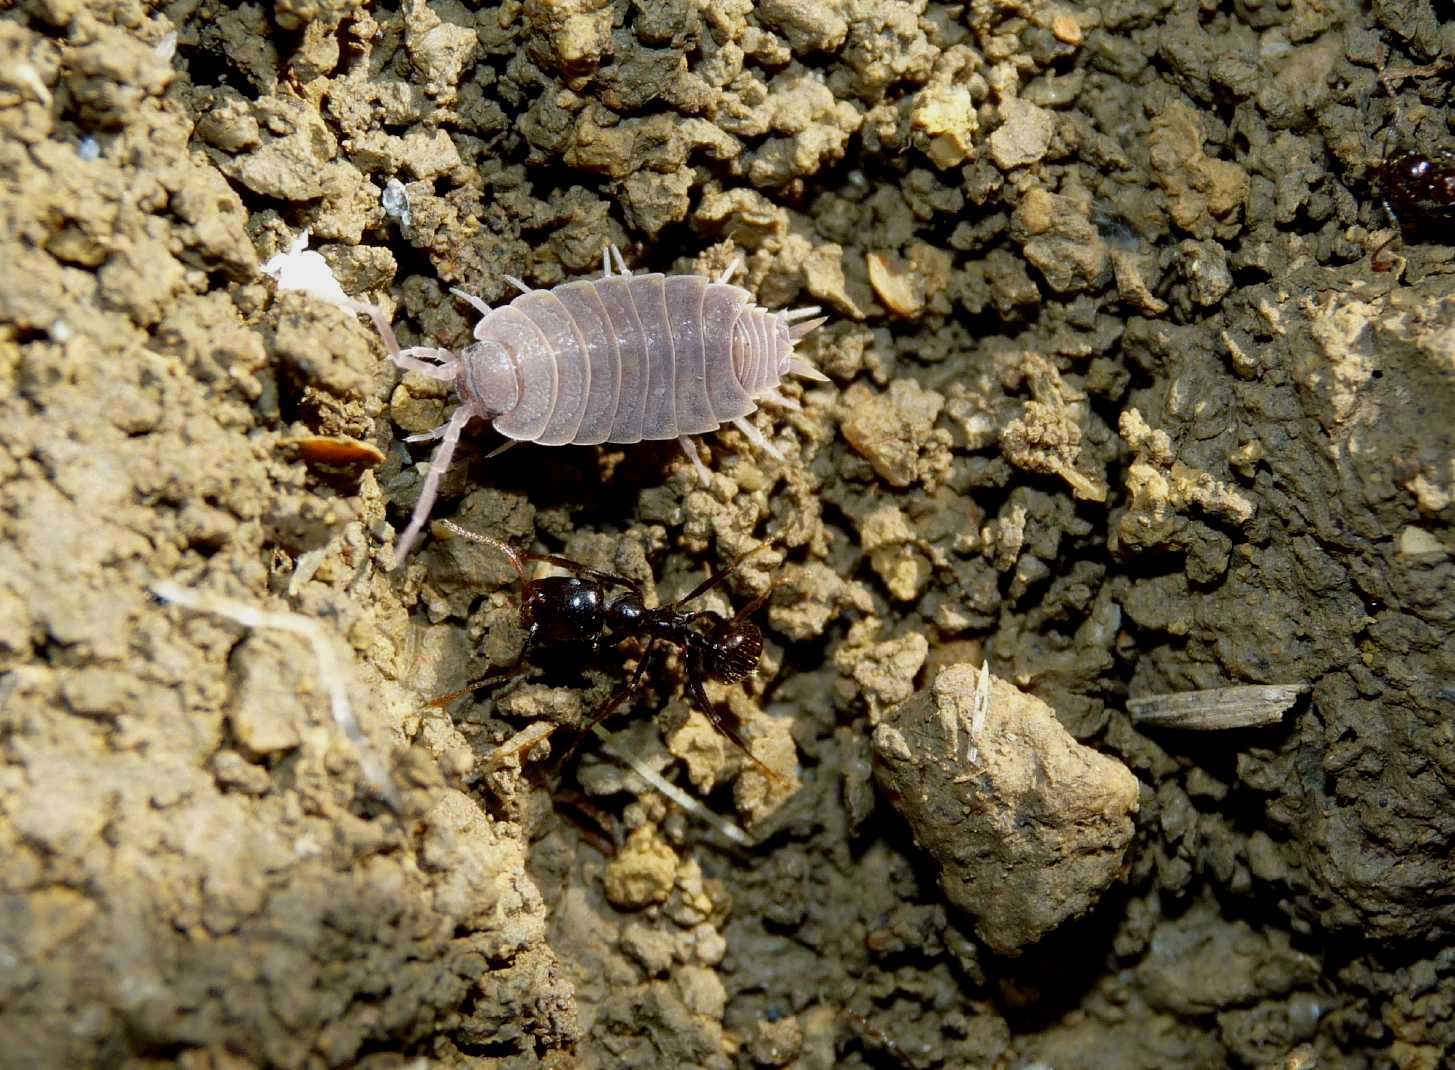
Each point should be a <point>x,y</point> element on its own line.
<point>618,359</point>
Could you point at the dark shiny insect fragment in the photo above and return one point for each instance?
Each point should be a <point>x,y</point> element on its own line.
<point>1418,193</point>
<point>590,610</point>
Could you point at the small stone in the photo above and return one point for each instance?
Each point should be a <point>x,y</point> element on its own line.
<point>1024,134</point>
<point>880,673</point>
<point>775,1043</point>
<point>270,676</point>
<point>643,873</point>
<point>1204,264</point>
<point>945,116</point>
<point>898,288</point>
<point>653,200</point>
<point>890,430</point>
<point>809,25</point>
<point>1060,241</point>
<point>965,765</point>
<point>650,946</point>
<point>892,546</point>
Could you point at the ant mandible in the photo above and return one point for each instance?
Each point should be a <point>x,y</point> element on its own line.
<point>581,610</point>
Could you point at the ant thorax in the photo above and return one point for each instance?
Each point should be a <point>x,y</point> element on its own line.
<point>625,614</point>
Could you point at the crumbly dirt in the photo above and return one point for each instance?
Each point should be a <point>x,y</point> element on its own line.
<point>1120,403</point>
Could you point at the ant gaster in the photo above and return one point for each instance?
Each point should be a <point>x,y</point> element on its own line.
<point>590,609</point>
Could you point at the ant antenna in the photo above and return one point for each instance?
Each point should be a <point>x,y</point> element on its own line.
<point>508,551</point>
<point>717,577</point>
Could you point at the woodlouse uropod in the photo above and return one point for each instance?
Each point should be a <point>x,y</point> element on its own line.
<point>618,359</point>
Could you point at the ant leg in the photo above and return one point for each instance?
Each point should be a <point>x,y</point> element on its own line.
<point>497,676</point>
<point>756,604</point>
<point>1375,263</point>
<point>717,577</point>
<point>610,705</point>
<point>698,697</point>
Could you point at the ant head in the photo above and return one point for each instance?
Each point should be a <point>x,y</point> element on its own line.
<point>734,647</point>
<point>563,608</point>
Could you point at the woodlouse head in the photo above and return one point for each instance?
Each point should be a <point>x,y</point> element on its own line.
<point>491,378</point>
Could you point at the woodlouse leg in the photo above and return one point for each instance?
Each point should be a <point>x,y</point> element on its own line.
<point>438,465</point>
<point>476,303</point>
<point>428,436</point>
<point>775,398</point>
<point>690,448</point>
<point>802,313</point>
<point>416,359</point>
<point>731,270</point>
<point>799,366</point>
<point>517,283</point>
<point>755,436</point>
<point>606,261</point>
<point>798,330</point>
<point>621,267</point>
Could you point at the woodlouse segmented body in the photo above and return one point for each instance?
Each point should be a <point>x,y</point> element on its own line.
<point>618,359</point>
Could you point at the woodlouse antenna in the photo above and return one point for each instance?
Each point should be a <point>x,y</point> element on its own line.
<point>418,358</point>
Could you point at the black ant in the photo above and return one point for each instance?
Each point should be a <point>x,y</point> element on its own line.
<point>582,611</point>
<point>1416,190</point>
